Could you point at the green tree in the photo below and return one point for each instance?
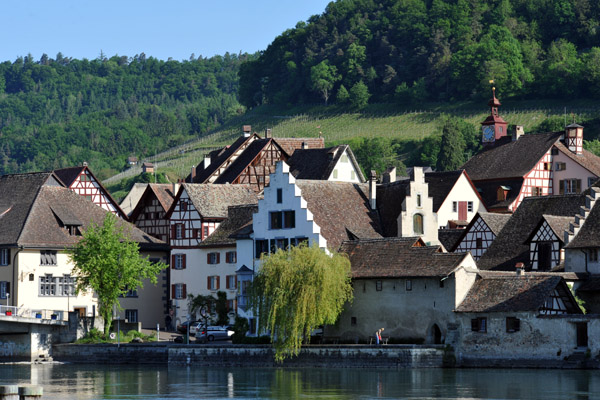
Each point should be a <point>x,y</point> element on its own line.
<point>109,263</point>
<point>359,95</point>
<point>297,290</point>
<point>342,95</point>
<point>322,78</point>
<point>453,146</point>
<point>201,305</point>
<point>221,308</point>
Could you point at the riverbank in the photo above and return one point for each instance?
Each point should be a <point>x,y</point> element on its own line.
<point>323,356</point>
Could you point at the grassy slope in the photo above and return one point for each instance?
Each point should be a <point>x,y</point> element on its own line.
<point>338,125</point>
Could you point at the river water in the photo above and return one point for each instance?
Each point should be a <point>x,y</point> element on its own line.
<point>64,381</point>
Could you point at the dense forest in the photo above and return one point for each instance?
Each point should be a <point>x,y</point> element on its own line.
<point>361,51</point>
<point>62,111</point>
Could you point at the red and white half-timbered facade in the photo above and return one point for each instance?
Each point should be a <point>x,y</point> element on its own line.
<point>84,183</point>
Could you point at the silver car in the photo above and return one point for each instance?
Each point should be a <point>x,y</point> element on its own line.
<point>213,333</point>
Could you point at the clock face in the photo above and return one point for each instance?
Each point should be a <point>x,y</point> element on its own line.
<point>488,133</point>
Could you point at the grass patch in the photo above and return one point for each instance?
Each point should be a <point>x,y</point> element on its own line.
<point>95,336</point>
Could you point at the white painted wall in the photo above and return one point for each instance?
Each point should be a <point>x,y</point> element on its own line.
<point>344,171</point>
<point>410,207</point>
<point>462,191</point>
<point>573,171</point>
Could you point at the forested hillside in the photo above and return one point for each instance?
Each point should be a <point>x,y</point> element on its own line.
<point>62,111</point>
<point>361,51</point>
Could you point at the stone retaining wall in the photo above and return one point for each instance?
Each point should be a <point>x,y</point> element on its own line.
<point>401,356</point>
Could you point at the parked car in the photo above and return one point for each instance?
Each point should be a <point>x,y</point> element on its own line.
<point>214,333</point>
<point>182,328</point>
<point>196,327</point>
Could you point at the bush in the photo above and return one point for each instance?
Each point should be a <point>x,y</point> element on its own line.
<point>240,327</point>
<point>93,336</point>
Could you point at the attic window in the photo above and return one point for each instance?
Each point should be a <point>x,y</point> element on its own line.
<point>344,158</point>
<point>73,230</point>
<point>554,151</point>
<point>501,193</point>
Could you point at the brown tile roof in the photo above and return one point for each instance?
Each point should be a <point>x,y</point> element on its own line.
<point>68,175</point>
<point>510,159</point>
<point>319,163</point>
<point>440,185</point>
<point>494,221</point>
<point>40,207</point>
<point>341,209</point>
<point>589,233</point>
<point>389,204</point>
<point>163,192</point>
<point>510,246</point>
<point>586,159</point>
<point>292,144</point>
<point>515,294</point>
<point>212,201</point>
<point>397,258</point>
<point>488,190</point>
<point>450,237</point>
<point>237,217</point>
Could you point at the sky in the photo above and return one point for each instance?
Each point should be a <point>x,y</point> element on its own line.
<point>161,29</point>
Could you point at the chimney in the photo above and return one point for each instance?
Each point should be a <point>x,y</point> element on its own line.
<point>519,131</point>
<point>389,175</point>
<point>373,190</point>
<point>267,133</point>
<point>206,161</point>
<point>85,164</point>
<point>247,129</point>
<point>520,269</point>
<point>193,174</point>
<point>418,175</point>
<point>304,145</point>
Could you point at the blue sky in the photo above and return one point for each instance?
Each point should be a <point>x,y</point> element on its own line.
<point>162,29</point>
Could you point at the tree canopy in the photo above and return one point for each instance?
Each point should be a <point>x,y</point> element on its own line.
<point>109,263</point>
<point>298,290</point>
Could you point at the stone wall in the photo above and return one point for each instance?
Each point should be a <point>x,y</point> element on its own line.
<point>128,353</point>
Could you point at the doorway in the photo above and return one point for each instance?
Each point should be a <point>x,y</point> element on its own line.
<point>582,334</point>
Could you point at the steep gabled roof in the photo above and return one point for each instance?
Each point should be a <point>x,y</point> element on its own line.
<point>340,209</point>
<point>212,201</point>
<point>163,192</point>
<point>589,234</point>
<point>133,197</point>
<point>41,208</point>
<point>494,221</point>
<point>398,258</point>
<point>318,164</point>
<point>440,184</point>
<point>450,237</point>
<point>557,224</point>
<point>586,159</point>
<point>243,161</point>
<point>237,217</point>
<point>516,294</point>
<point>510,246</point>
<point>510,159</point>
<point>290,145</point>
<point>218,157</point>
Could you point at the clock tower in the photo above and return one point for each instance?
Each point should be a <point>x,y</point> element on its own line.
<point>494,127</point>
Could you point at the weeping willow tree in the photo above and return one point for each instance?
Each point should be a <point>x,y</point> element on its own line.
<point>298,290</point>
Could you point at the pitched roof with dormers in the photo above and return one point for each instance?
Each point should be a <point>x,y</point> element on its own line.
<point>40,208</point>
<point>341,210</point>
<point>237,218</point>
<point>510,245</point>
<point>512,293</point>
<point>212,201</point>
<point>318,164</point>
<point>399,258</point>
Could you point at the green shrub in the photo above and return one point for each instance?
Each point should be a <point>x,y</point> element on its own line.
<point>240,327</point>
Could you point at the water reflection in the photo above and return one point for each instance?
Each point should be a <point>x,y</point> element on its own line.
<point>151,382</point>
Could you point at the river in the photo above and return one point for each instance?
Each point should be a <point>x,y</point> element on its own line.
<point>67,381</point>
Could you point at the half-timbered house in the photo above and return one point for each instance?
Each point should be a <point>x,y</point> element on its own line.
<point>84,183</point>
<point>40,220</point>
<point>508,169</point>
<point>480,233</point>
<point>150,213</point>
<point>196,212</point>
<point>546,242</point>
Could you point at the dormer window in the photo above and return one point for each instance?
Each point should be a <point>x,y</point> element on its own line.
<point>502,193</point>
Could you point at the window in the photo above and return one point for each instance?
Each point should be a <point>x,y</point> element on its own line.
<point>131,315</point>
<point>418,200</point>
<point>594,255</point>
<point>183,205</point>
<point>479,243</point>
<point>47,285</point>
<point>279,195</point>
<point>548,166</point>
<point>179,291</point>
<point>353,321</point>
<point>352,175</point>
<point>178,261</point>
<point>536,191</point>
<point>178,231</point>
<point>282,219</point>
<point>281,243</point>
<point>569,186</point>
<point>344,158</point>
<point>261,246</point>
<point>298,241</point>
<point>47,257</point>
<point>231,257</point>
<point>131,293</point>
<point>554,151</point>
<point>205,230</point>
<point>479,324</point>
<point>513,324</point>
<point>213,258</point>
<point>501,194</point>
<point>230,282</point>
<point>195,233</point>
<point>335,174</point>
<point>66,285</point>
<point>231,305</point>
<point>561,166</point>
<point>544,255</point>
<point>4,256</point>
<point>4,289</point>
<point>212,282</point>
<point>378,286</point>
<point>418,224</point>
<point>408,285</point>
<point>455,206</point>
<point>469,206</point>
